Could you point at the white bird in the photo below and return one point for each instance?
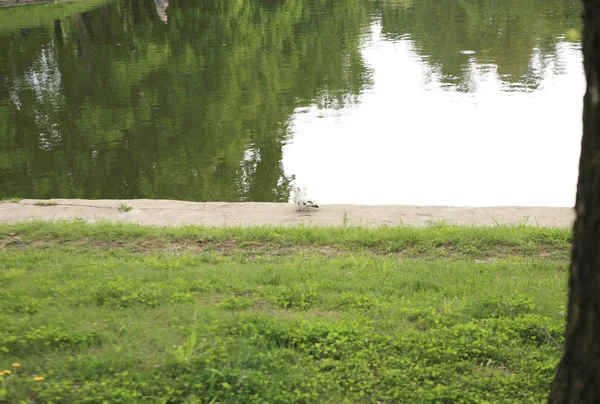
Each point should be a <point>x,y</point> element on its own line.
<point>301,200</point>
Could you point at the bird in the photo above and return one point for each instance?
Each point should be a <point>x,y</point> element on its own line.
<point>301,200</point>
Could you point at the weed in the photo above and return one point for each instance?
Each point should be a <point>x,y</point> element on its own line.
<point>185,351</point>
<point>292,297</point>
<point>356,302</point>
<point>124,207</point>
<point>10,200</point>
<point>236,303</point>
<point>46,203</point>
<point>490,307</point>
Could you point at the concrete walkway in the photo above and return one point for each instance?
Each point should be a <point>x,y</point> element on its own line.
<point>168,213</point>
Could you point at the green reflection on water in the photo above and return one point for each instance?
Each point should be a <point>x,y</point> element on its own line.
<point>113,103</point>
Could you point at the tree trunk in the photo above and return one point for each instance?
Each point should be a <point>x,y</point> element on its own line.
<point>577,378</point>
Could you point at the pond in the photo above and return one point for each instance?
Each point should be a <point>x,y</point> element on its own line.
<point>420,102</point>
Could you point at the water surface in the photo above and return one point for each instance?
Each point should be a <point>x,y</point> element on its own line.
<point>394,102</point>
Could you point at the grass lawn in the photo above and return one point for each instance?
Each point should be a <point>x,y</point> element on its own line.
<point>124,314</point>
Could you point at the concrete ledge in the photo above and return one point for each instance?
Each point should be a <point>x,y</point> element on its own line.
<point>10,3</point>
<point>176,213</point>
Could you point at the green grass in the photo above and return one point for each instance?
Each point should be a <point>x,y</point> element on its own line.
<point>46,203</point>
<point>10,200</point>
<point>124,313</point>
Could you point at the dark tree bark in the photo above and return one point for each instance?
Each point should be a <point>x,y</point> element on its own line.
<point>577,378</point>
